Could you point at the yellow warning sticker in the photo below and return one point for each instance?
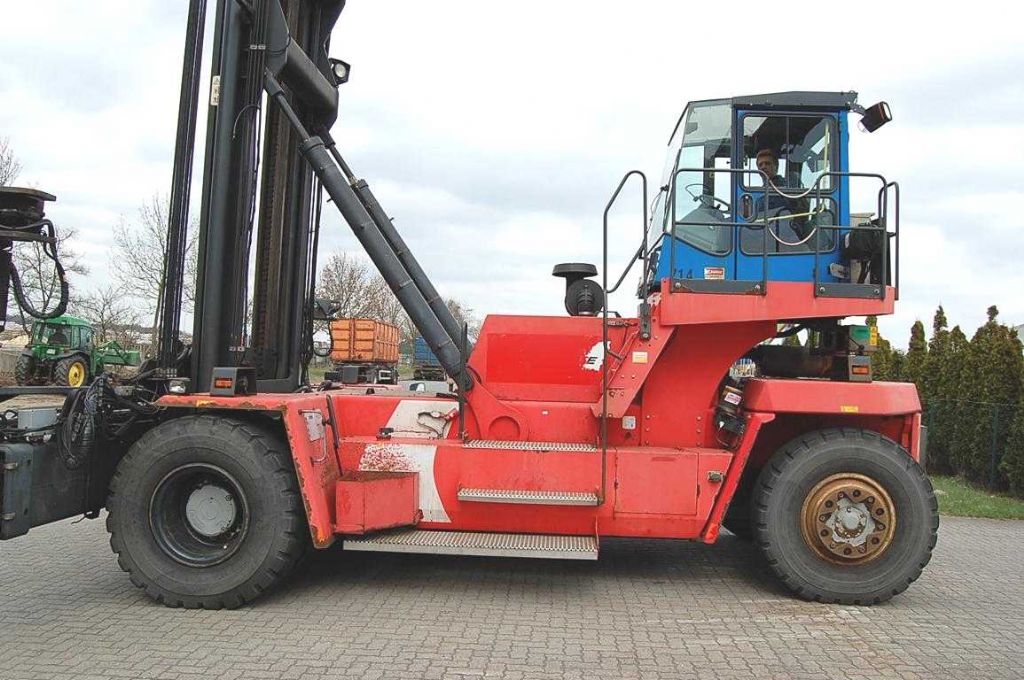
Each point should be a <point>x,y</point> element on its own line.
<point>850,409</point>
<point>639,357</point>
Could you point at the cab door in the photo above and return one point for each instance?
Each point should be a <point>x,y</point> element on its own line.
<point>791,217</point>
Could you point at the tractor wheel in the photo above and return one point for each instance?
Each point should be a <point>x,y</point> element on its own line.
<point>205,512</point>
<point>845,516</point>
<point>24,369</point>
<point>72,371</point>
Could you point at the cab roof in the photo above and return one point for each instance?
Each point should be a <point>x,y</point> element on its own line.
<point>794,99</point>
<point>66,320</point>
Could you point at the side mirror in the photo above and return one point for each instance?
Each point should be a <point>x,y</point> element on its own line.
<point>325,310</point>
<point>876,116</point>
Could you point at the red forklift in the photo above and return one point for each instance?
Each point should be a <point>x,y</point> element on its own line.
<point>220,464</point>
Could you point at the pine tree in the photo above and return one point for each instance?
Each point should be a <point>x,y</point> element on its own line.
<point>950,417</point>
<point>992,389</point>
<point>1012,465</point>
<point>916,357</point>
<point>937,391</point>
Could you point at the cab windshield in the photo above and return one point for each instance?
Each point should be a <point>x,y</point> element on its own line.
<point>703,139</point>
<point>52,334</point>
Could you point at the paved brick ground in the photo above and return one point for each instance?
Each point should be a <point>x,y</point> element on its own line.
<point>648,609</point>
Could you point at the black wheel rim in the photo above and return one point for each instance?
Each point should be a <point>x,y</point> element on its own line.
<point>199,515</point>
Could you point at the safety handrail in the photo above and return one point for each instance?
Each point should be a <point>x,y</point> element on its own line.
<point>882,210</point>
<point>734,224</point>
<point>641,254</point>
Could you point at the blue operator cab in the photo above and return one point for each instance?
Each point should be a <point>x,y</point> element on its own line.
<point>757,189</point>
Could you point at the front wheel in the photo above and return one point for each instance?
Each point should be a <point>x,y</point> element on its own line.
<point>845,516</point>
<point>72,371</point>
<point>205,512</point>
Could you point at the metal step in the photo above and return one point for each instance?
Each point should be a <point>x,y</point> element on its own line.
<point>528,497</point>
<point>474,543</point>
<point>528,446</point>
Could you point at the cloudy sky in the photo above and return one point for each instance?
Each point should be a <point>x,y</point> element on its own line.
<point>495,132</point>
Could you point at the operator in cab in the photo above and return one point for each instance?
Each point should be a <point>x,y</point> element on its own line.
<point>780,203</point>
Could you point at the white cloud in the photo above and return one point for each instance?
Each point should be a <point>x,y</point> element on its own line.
<point>494,132</point>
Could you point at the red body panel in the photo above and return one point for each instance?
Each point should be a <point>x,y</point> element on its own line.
<point>824,396</point>
<point>784,301</point>
<point>665,473</point>
<point>367,501</point>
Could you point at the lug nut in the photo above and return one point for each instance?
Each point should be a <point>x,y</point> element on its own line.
<point>870,500</point>
<point>829,504</point>
<point>856,493</point>
<point>880,511</point>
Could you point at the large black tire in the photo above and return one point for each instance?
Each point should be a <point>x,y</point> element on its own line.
<point>737,521</point>
<point>796,473</point>
<point>24,369</point>
<point>737,518</point>
<point>264,533</point>
<point>72,371</point>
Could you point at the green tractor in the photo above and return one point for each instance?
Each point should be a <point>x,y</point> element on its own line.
<point>61,352</point>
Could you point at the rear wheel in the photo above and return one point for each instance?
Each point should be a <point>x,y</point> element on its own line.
<point>205,512</point>
<point>24,369</point>
<point>845,516</point>
<point>72,371</point>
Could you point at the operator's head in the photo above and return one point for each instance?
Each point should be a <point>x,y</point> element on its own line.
<point>768,162</point>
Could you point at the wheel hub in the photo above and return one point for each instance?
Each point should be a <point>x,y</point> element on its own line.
<point>198,514</point>
<point>211,510</point>
<point>848,518</point>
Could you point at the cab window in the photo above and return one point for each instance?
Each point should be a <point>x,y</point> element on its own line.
<point>701,191</point>
<point>805,147</point>
<point>794,228</point>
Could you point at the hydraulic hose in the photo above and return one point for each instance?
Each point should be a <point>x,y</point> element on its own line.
<point>50,250</point>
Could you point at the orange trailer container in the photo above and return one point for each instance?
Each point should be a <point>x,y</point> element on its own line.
<point>364,350</point>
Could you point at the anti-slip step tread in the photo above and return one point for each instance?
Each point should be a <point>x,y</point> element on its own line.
<point>528,497</point>
<point>543,546</point>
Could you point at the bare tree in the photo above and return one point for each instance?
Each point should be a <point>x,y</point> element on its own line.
<point>140,251</point>
<point>39,281</point>
<point>347,279</point>
<point>464,315</point>
<point>10,166</point>
<point>113,318</point>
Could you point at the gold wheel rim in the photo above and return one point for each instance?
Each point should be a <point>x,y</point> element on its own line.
<point>76,374</point>
<point>848,519</point>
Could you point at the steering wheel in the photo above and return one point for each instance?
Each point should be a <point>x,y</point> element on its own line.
<point>706,200</point>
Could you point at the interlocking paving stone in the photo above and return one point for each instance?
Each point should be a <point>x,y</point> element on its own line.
<point>647,609</point>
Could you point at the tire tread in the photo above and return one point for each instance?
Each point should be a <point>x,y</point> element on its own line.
<point>280,563</point>
<point>770,478</point>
